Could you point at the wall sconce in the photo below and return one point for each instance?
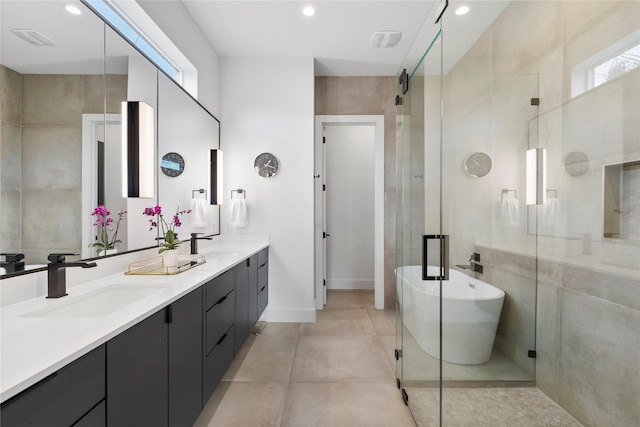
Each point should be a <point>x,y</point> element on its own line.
<point>215,177</point>
<point>138,150</point>
<point>536,176</point>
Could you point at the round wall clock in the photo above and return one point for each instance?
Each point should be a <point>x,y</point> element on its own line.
<point>266,165</point>
<point>172,165</point>
<point>477,165</point>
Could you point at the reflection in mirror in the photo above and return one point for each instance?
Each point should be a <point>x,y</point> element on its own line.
<point>128,77</point>
<point>187,129</point>
<point>46,90</point>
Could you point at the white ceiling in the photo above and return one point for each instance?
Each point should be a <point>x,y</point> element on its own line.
<point>338,35</point>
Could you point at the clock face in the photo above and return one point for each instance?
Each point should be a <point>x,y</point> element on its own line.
<point>172,165</point>
<point>266,165</point>
<point>477,165</point>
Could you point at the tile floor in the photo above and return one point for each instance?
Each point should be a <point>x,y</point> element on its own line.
<point>336,372</point>
<point>339,372</point>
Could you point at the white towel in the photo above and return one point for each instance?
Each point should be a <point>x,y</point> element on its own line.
<point>509,213</point>
<point>238,213</point>
<point>551,212</point>
<point>199,212</point>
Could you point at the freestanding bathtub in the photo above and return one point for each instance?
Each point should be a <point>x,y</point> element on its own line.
<point>470,313</point>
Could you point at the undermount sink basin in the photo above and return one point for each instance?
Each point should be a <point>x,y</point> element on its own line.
<point>98,303</point>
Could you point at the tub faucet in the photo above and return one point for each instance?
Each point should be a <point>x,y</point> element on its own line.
<point>474,265</point>
<point>194,242</point>
<point>57,279</point>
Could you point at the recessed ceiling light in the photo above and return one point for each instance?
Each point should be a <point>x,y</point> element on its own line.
<point>73,9</point>
<point>462,10</point>
<point>308,11</point>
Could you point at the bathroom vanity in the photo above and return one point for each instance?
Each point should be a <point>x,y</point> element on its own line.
<point>132,350</point>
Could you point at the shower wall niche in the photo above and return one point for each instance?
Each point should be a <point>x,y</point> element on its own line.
<point>621,200</point>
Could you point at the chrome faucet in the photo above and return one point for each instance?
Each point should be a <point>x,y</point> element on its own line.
<point>194,242</point>
<point>57,279</point>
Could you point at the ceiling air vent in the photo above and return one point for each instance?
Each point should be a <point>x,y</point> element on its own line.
<point>32,36</point>
<point>385,38</point>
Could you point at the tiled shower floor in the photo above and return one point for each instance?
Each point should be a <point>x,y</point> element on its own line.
<point>419,366</point>
<point>340,372</point>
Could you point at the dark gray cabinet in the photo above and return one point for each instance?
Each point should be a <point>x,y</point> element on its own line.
<point>159,372</point>
<point>263,280</point>
<point>154,369</point>
<point>253,290</point>
<point>185,359</point>
<point>219,328</point>
<point>137,374</point>
<point>61,399</point>
<point>241,327</point>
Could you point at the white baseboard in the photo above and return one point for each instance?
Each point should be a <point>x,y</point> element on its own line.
<point>289,315</point>
<point>350,284</point>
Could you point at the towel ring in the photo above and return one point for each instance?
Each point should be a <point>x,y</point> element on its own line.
<point>201,191</point>
<point>239,191</point>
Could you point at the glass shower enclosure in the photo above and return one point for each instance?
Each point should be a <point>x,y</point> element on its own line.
<point>507,198</point>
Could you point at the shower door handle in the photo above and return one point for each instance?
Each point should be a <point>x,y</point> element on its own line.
<point>444,256</point>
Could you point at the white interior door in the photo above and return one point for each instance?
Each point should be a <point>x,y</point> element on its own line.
<point>349,206</point>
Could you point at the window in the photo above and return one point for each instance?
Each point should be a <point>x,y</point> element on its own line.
<point>130,20</point>
<point>608,64</point>
<point>615,67</point>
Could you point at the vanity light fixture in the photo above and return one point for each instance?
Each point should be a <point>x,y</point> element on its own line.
<point>215,177</point>
<point>308,11</point>
<point>536,176</point>
<point>138,150</point>
<point>72,9</point>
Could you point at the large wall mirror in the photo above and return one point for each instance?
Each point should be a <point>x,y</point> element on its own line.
<point>60,146</point>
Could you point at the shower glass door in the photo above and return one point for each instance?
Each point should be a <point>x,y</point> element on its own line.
<point>463,133</point>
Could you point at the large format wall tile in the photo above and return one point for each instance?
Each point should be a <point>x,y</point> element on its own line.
<point>10,223</point>
<point>10,95</point>
<point>547,339</point>
<point>41,99</point>
<point>517,328</point>
<point>38,206</point>
<point>10,154</point>
<point>599,364</point>
<point>52,157</point>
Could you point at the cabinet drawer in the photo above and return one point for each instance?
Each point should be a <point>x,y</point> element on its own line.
<point>219,319</point>
<point>263,299</point>
<point>219,287</point>
<point>97,417</point>
<point>218,361</point>
<point>62,398</point>
<point>263,276</point>
<point>263,257</point>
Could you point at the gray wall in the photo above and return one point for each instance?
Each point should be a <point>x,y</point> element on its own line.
<point>42,182</point>
<point>578,298</point>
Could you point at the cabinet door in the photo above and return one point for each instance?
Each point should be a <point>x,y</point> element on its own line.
<point>62,398</point>
<point>186,359</point>
<point>241,321</point>
<point>137,375</point>
<point>253,291</point>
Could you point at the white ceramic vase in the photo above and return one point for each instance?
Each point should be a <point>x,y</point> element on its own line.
<point>170,258</point>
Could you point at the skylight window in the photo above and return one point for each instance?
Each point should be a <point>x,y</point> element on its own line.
<point>135,37</point>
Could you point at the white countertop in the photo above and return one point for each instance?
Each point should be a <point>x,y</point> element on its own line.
<point>33,347</point>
